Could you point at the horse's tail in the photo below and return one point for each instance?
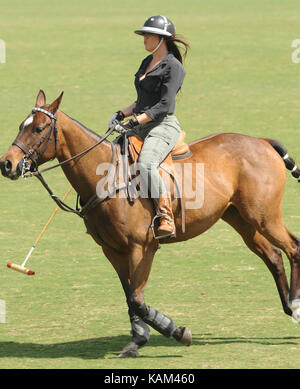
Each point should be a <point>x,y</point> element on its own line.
<point>289,162</point>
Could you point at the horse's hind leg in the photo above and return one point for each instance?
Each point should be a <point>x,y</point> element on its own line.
<point>267,218</point>
<point>276,232</point>
<point>259,201</point>
<point>270,254</point>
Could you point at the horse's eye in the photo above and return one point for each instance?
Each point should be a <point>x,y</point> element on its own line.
<point>38,129</point>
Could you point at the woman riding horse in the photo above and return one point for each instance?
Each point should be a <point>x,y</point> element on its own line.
<point>157,82</point>
<point>244,184</point>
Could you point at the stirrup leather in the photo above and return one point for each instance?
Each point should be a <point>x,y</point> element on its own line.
<point>171,234</point>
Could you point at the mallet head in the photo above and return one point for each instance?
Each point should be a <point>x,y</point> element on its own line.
<point>20,269</point>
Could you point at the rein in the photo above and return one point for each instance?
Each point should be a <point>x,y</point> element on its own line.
<point>80,155</point>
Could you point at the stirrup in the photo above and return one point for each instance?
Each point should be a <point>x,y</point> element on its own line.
<point>171,234</point>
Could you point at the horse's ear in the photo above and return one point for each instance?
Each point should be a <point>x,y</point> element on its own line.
<point>54,106</point>
<point>41,99</point>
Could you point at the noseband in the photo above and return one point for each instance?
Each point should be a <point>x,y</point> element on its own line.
<point>33,154</point>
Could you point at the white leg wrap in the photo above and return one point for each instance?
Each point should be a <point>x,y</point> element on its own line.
<point>295,307</point>
<point>296,316</point>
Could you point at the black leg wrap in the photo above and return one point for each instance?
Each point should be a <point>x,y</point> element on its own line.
<point>159,322</point>
<point>139,330</point>
<point>178,333</point>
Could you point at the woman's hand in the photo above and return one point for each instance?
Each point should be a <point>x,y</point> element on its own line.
<point>128,111</point>
<point>116,117</point>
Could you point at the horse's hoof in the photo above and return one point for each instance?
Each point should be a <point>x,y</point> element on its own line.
<point>129,354</point>
<point>183,336</point>
<point>129,351</point>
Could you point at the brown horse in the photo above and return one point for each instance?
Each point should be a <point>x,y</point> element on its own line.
<point>243,183</point>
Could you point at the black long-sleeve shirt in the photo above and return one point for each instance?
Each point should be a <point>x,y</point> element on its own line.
<point>156,93</point>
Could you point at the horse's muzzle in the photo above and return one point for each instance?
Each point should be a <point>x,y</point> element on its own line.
<point>6,168</point>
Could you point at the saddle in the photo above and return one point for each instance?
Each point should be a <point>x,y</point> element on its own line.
<point>180,150</point>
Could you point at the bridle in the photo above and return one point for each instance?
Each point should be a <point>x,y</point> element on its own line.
<point>32,153</point>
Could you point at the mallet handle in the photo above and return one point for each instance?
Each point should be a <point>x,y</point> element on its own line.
<point>51,218</point>
<point>23,269</point>
<point>28,255</point>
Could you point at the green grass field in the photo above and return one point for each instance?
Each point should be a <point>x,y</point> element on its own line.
<point>240,78</point>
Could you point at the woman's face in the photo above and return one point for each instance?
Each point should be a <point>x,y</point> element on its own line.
<point>151,41</point>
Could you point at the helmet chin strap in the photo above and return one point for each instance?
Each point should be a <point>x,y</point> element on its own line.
<point>158,46</point>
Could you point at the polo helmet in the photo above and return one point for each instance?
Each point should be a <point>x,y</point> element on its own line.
<point>159,25</point>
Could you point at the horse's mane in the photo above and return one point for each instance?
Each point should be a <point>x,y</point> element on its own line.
<point>83,127</point>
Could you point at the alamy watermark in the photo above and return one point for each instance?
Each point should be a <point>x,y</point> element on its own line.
<point>2,311</point>
<point>188,181</point>
<point>296,52</point>
<point>2,51</point>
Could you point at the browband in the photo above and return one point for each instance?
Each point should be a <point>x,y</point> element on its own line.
<point>37,109</point>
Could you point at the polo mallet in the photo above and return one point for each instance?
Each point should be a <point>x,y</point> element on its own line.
<point>22,268</point>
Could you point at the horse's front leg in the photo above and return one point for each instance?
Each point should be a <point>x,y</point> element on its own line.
<point>160,322</point>
<point>133,270</point>
<point>140,332</point>
<point>139,270</point>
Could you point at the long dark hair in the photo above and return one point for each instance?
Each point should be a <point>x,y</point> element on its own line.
<point>173,47</point>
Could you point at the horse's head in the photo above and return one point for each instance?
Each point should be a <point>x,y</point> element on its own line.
<point>36,141</point>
